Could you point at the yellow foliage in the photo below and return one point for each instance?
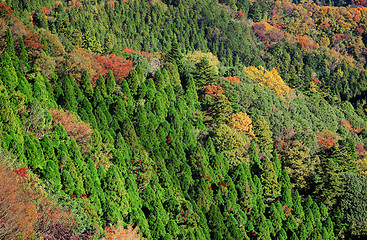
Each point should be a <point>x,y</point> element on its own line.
<point>242,122</point>
<point>270,79</point>
<point>196,57</point>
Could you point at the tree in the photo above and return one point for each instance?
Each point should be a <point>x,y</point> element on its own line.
<point>204,73</point>
<point>216,223</point>
<point>8,76</point>
<point>174,55</point>
<point>220,109</point>
<point>242,122</point>
<point>269,181</point>
<point>296,163</point>
<point>116,195</point>
<point>78,130</point>
<point>86,85</point>
<point>110,83</point>
<point>263,134</point>
<point>120,232</point>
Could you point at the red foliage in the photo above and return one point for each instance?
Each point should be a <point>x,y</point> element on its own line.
<point>24,212</point>
<point>360,31</point>
<point>112,4</point>
<point>346,124</point>
<point>144,54</point>
<point>74,3</point>
<point>211,90</point>
<point>5,9</point>
<point>59,231</point>
<point>336,38</point>
<point>119,66</point>
<point>233,79</point>
<point>267,34</point>
<point>281,146</point>
<point>360,2</point>
<point>346,36</point>
<point>325,24</point>
<point>223,184</point>
<point>22,172</point>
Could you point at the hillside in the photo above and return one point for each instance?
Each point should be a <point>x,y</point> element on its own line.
<point>183,120</point>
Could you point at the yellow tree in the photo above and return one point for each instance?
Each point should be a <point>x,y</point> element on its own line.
<point>270,79</point>
<point>242,123</point>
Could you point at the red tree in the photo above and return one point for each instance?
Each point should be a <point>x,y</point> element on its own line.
<point>119,66</point>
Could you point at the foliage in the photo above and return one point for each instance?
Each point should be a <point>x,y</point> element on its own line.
<point>75,129</point>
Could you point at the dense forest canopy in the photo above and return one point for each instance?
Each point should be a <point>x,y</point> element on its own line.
<point>171,119</point>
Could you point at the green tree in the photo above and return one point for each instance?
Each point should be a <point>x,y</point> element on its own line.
<point>269,181</point>
<point>204,73</point>
<point>86,85</point>
<point>263,134</point>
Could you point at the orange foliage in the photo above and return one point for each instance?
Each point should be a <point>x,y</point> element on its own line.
<point>359,150</point>
<point>211,90</point>
<point>119,66</point>
<point>327,138</point>
<point>315,81</point>
<point>303,41</point>
<point>75,128</point>
<point>287,211</point>
<point>242,122</point>
<point>74,3</point>
<point>119,232</point>
<point>346,124</point>
<point>112,4</point>
<point>32,40</point>
<point>233,79</point>
<point>45,11</point>
<point>24,210</point>
<point>18,215</point>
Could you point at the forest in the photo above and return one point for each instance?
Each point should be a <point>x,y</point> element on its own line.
<point>172,119</point>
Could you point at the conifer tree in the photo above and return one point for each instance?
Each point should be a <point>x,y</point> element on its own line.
<point>269,180</point>
<point>204,73</point>
<point>297,209</point>
<point>216,223</point>
<point>10,46</point>
<point>23,55</point>
<point>275,218</point>
<point>110,83</point>
<point>115,190</point>
<point>8,75</point>
<point>86,85</point>
<point>174,55</point>
<point>67,182</point>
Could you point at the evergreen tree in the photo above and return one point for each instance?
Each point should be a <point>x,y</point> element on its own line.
<point>204,73</point>
<point>110,83</point>
<point>269,181</point>
<point>86,85</point>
